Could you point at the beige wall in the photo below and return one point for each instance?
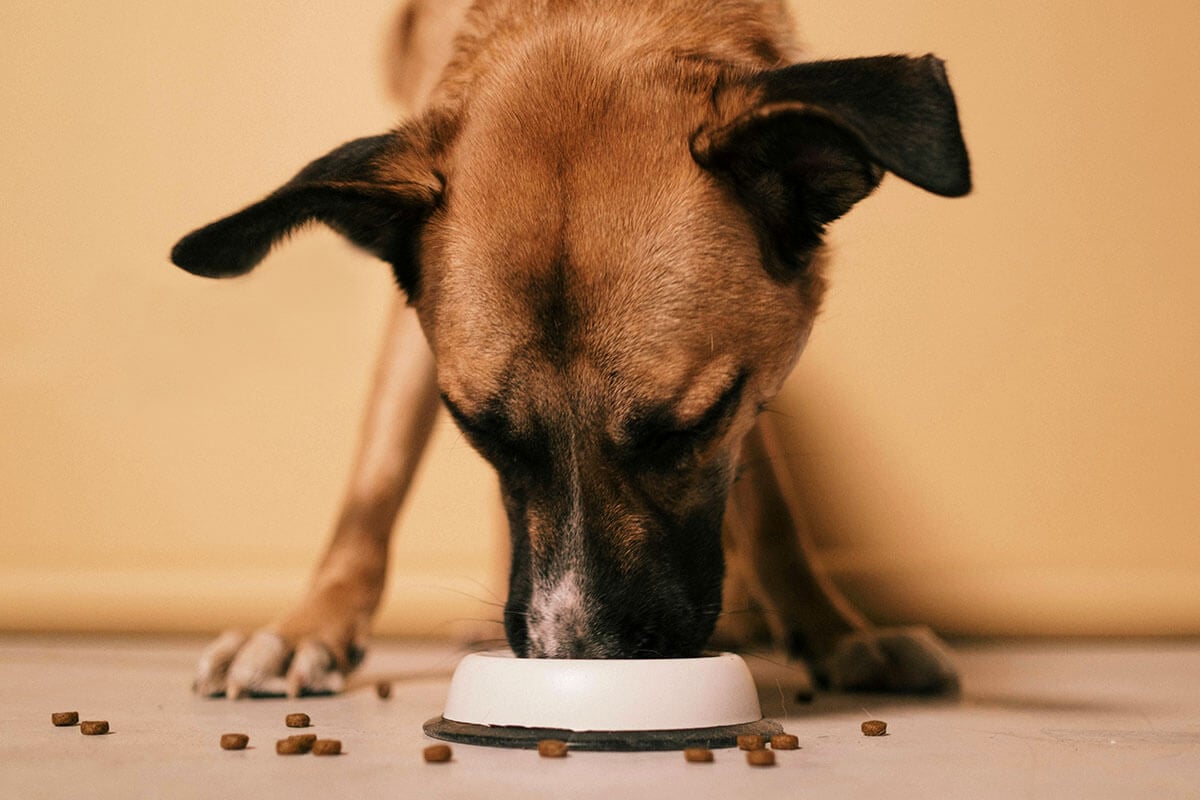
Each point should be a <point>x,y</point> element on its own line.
<point>996,414</point>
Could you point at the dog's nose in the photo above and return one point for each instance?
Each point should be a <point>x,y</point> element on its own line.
<point>635,643</point>
<point>580,649</point>
<point>649,644</point>
<point>573,648</point>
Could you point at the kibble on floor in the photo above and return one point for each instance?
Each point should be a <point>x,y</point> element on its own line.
<point>785,741</point>
<point>760,758</point>
<point>552,748</point>
<point>234,741</point>
<point>96,727</point>
<point>304,741</point>
<point>164,741</point>
<point>297,720</point>
<point>698,755</point>
<point>750,742</point>
<point>64,718</point>
<point>288,747</point>
<point>874,727</point>
<point>437,753</point>
<point>327,747</point>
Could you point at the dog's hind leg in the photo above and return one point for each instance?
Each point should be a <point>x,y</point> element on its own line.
<point>771,552</point>
<point>312,647</point>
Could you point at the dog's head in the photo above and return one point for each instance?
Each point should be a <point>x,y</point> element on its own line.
<point>615,275</point>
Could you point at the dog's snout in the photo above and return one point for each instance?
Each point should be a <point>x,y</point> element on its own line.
<point>607,561</point>
<point>579,618</point>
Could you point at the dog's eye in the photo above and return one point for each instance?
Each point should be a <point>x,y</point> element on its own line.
<point>490,435</point>
<point>482,431</point>
<point>667,448</point>
<point>505,454</point>
<point>658,440</point>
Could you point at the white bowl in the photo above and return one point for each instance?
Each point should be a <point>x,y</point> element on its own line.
<point>497,689</point>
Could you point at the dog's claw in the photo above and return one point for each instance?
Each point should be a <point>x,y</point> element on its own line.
<point>213,668</point>
<point>258,667</point>
<point>314,671</point>
<point>268,665</point>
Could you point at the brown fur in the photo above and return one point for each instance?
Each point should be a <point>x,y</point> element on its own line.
<point>633,272</point>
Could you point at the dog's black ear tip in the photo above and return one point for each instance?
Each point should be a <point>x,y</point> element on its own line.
<point>949,184</point>
<point>935,63</point>
<point>957,185</point>
<point>936,68</point>
<point>184,256</point>
<point>954,181</point>
<point>198,254</point>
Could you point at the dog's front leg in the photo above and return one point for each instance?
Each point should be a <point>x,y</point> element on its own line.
<point>772,554</point>
<point>311,648</point>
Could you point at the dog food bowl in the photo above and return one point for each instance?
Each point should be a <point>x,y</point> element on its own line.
<point>499,700</point>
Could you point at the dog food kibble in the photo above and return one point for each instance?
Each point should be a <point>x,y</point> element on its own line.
<point>297,720</point>
<point>751,742</point>
<point>304,740</point>
<point>383,689</point>
<point>327,747</point>
<point>437,753</point>
<point>698,755</point>
<point>63,718</point>
<point>552,748</point>
<point>289,747</point>
<point>784,741</point>
<point>295,745</point>
<point>95,727</point>
<point>760,758</point>
<point>234,741</point>
<point>874,727</point>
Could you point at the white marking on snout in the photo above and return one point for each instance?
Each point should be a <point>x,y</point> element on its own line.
<point>559,615</point>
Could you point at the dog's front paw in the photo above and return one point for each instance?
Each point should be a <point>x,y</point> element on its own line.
<point>270,664</point>
<point>904,660</point>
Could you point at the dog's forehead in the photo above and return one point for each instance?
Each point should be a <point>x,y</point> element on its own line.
<point>667,312</point>
<point>623,279</point>
<point>583,243</point>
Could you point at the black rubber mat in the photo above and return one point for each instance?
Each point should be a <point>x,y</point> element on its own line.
<point>527,738</point>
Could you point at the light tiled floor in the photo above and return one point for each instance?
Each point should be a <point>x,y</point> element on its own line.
<point>1112,720</point>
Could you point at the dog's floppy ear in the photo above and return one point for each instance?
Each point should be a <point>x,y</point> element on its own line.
<point>804,143</point>
<point>374,191</point>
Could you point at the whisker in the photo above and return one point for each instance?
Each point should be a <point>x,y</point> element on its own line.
<point>775,412</point>
<point>774,612</point>
<point>480,645</point>
<point>462,592</point>
<point>474,619</point>
<point>485,588</point>
<point>775,662</point>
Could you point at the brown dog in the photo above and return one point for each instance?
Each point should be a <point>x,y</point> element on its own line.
<point>607,218</point>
